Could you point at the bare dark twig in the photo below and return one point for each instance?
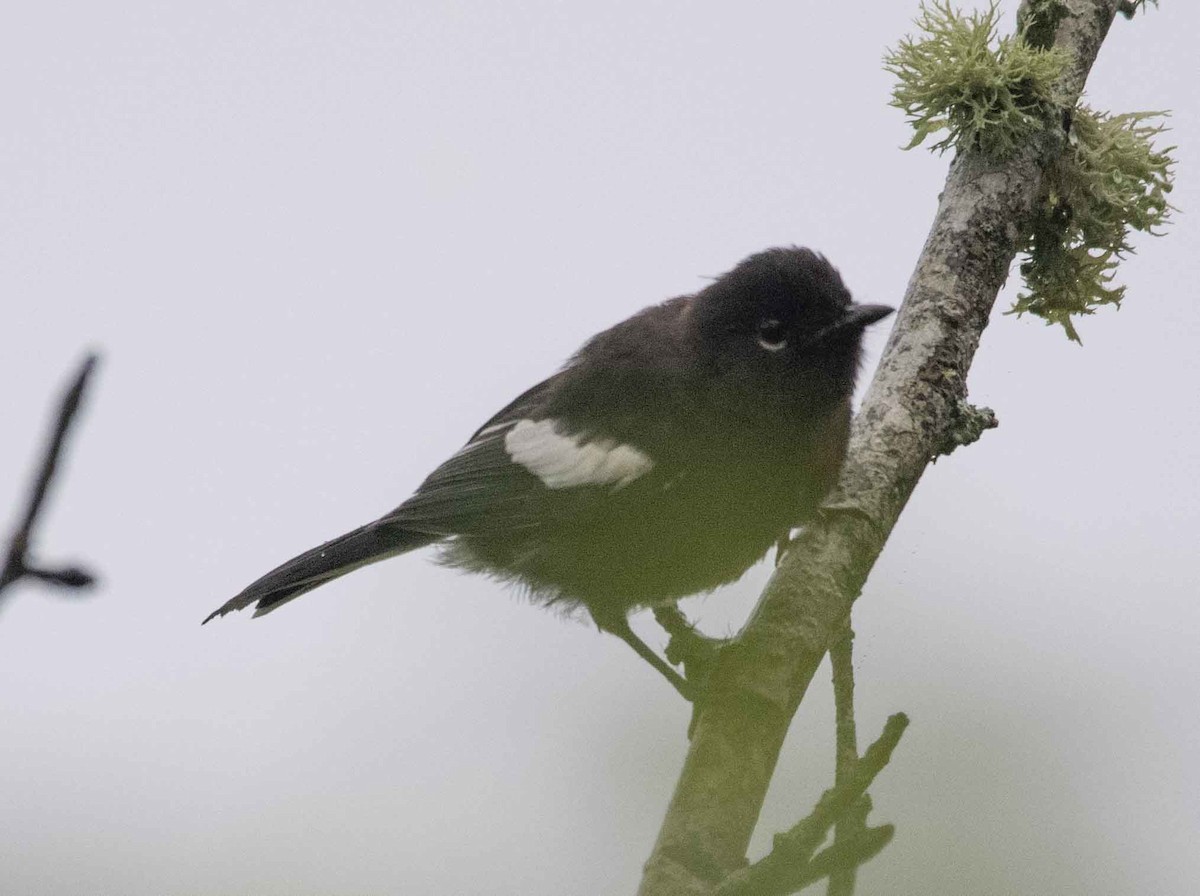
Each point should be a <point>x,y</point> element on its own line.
<point>18,564</point>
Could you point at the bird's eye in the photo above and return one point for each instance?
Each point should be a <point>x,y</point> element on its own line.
<point>772,335</point>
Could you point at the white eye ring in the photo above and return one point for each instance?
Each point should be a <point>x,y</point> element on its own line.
<point>771,335</point>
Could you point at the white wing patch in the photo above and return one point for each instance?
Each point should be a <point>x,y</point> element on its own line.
<point>565,461</point>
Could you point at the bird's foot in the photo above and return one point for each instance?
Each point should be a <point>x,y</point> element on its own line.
<point>781,546</point>
<point>618,624</point>
<point>695,652</point>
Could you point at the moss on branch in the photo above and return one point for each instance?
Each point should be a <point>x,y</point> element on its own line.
<point>991,96</point>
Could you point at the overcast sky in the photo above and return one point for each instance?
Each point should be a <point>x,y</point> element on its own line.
<point>319,244</point>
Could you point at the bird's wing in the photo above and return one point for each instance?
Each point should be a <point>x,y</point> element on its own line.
<point>480,485</point>
<point>521,469</point>
<point>525,404</point>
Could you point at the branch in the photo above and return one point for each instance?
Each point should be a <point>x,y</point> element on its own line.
<point>762,675</point>
<point>841,661</point>
<point>966,426</point>
<point>17,564</point>
<point>791,864</point>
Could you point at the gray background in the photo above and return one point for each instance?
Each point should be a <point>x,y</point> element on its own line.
<point>320,243</point>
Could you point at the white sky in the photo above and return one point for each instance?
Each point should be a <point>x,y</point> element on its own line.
<point>318,244</point>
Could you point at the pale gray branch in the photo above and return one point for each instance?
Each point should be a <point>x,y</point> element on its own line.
<point>761,676</point>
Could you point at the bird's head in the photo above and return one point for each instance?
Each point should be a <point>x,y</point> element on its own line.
<point>781,327</point>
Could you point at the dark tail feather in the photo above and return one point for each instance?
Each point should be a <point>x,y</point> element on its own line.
<point>373,542</point>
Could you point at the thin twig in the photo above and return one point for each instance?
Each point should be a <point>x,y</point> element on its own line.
<point>841,659</point>
<point>18,564</point>
<point>791,863</point>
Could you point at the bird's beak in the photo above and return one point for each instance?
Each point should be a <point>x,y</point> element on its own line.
<point>855,318</point>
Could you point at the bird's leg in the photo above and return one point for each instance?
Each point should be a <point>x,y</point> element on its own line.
<point>618,624</point>
<point>697,653</point>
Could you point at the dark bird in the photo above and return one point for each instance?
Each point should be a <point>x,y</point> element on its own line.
<point>664,459</point>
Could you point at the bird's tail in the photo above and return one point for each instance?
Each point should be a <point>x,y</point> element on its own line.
<point>346,553</point>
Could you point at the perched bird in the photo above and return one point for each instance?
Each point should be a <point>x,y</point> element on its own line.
<point>664,459</point>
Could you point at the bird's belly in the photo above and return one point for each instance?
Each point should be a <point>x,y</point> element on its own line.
<point>622,554</point>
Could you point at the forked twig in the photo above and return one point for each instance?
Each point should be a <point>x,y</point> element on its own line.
<point>17,563</point>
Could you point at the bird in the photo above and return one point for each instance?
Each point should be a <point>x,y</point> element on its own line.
<point>664,459</point>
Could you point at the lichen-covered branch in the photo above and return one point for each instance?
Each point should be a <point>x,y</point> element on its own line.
<point>959,82</point>
<point>984,93</point>
<point>1110,180</point>
<point>761,676</point>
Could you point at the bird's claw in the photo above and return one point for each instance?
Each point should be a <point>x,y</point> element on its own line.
<point>695,652</point>
<point>781,546</point>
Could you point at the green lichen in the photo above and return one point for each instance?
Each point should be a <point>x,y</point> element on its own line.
<point>1130,8</point>
<point>978,92</point>
<point>1038,21</point>
<point>986,93</point>
<point>1110,180</point>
